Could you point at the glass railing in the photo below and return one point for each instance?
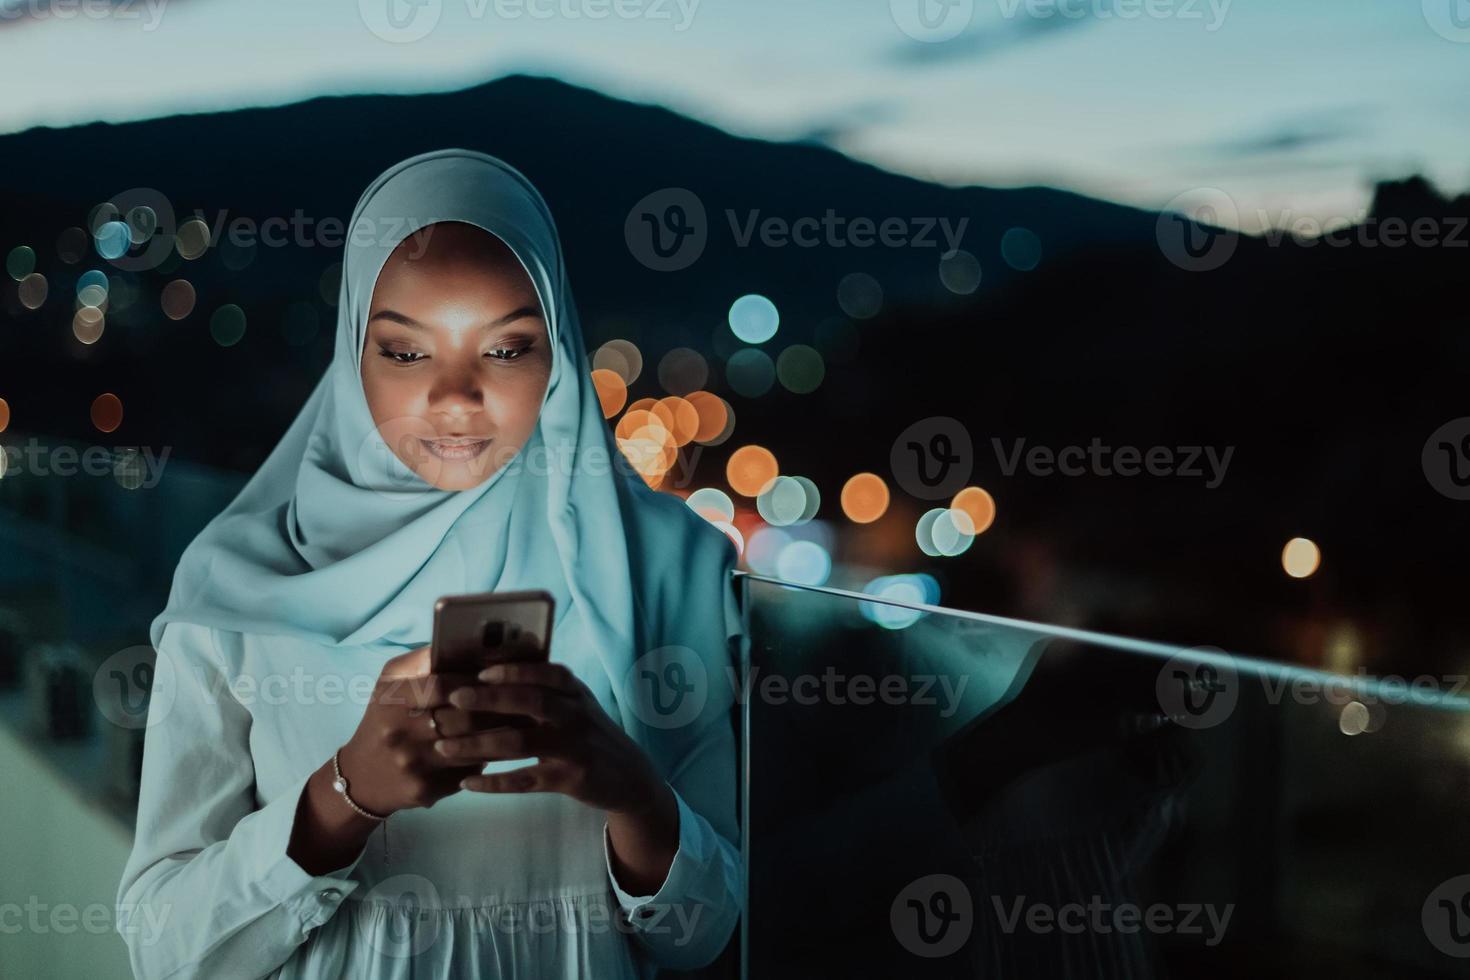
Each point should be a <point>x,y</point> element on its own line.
<point>933,793</point>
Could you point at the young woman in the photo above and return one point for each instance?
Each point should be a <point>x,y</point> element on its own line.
<point>316,802</point>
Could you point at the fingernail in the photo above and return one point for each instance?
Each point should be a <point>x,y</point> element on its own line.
<point>441,746</point>
<point>494,672</point>
<point>465,783</point>
<point>458,697</point>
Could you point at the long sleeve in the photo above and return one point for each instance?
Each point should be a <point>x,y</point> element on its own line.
<point>209,890</point>
<point>688,922</point>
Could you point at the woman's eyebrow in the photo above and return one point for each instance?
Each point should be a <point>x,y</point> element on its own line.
<point>394,316</point>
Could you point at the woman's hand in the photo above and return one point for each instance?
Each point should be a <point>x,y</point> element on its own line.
<point>581,753</point>
<point>390,763</point>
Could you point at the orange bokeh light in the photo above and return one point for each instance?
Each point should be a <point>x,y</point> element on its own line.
<point>712,414</point>
<point>865,498</point>
<point>612,391</point>
<point>977,503</point>
<point>682,419</point>
<point>4,415</point>
<point>751,469</point>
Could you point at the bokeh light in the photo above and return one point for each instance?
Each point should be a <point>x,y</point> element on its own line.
<point>1021,249</point>
<point>765,546</point>
<point>864,498</point>
<point>782,503</point>
<point>112,240</point>
<point>1301,557</point>
<point>227,326</point>
<point>680,417</point>
<point>107,412</point>
<point>716,421</point>
<point>4,416</point>
<point>750,372</point>
<point>979,505</point>
<point>92,288</point>
<point>21,262</point>
<point>612,391</point>
<point>913,589</point>
<point>712,503</point>
<point>860,296</point>
<point>142,222</point>
<point>960,272</point>
<point>87,324</point>
<point>235,255</point>
<point>33,290</point>
<point>944,532</point>
<point>682,370</point>
<point>804,562</point>
<point>751,469</point>
<point>177,299</point>
<point>800,369</point>
<point>813,499</point>
<point>622,357</point>
<point>754,319</point>
<point>192,239</point>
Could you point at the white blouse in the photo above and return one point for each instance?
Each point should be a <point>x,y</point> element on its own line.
<point>481,885</point>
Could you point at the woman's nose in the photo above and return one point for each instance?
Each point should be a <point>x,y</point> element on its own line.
<point>457,392</point>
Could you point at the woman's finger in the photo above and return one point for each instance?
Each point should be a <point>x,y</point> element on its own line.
<point>545,705</point>
<point>542,777</point>
<point>500,744</point>
<point>558,677</point>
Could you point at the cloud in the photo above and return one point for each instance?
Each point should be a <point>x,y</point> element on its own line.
<point>1022,23</point>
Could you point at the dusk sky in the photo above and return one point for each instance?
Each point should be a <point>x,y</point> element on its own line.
<point>1292,107</point>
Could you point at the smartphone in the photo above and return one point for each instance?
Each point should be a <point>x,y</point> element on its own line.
<point>473,631</point>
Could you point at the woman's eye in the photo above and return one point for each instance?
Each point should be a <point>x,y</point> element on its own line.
<point>508,353</point>
<point>401,356</point>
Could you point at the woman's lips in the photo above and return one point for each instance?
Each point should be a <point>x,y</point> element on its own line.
<point>456,449</point>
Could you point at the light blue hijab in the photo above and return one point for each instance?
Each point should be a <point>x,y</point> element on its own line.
<point>335,540</point>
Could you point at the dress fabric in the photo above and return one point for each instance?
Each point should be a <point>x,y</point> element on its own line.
<point>477,886</point>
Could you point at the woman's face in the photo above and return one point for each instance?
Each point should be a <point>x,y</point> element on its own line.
<point>457,356</point>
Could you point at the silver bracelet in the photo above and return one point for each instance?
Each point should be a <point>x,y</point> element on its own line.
<point>340,785</point>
